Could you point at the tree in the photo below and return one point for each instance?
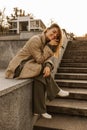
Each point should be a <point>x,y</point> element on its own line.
<point>1,19</point>
<point>4,25</point>
<point>16,11</point>
<point>86,35</point>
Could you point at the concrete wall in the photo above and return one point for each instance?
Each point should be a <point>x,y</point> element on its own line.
<point>23,35</point>
<point>16,107</point>
<point>8,48</point>
<point>15,95</point>
<point>26,35</point>
<point>10,37</point>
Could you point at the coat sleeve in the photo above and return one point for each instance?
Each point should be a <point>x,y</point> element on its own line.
<point>39,54</point>
<point>50,62</point>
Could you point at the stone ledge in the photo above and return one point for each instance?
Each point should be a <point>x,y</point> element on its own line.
<point>8,85</point>
<point>15,103</point>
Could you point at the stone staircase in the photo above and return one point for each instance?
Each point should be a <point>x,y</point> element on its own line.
<point>69,113</point>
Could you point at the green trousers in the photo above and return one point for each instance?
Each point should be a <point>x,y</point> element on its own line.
<point>41,87</point>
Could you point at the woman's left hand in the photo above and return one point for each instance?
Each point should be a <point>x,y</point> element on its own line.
<point>46,71</point>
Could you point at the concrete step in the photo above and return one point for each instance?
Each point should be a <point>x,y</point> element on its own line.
<point>71,70</point>
<point>62,122</point>
<point>74,65</point>
<point>76,52</point>
<point>76,49</point>
<point>76,93</point>
<point>75,45</point>
<point>69,113</point>
<point>74,60</point>
<point>67,106</point>
<point>72,76</point>
<point>72,83</point>
<point>74,56</point>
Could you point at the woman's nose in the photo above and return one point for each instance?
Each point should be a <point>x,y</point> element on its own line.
<point>55,36</point>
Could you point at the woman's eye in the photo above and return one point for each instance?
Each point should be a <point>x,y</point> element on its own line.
<point>54,31</point>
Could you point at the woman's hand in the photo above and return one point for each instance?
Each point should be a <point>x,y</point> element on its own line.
<point>53,45</point>
<point>54,42</point>
<point>46,71</point>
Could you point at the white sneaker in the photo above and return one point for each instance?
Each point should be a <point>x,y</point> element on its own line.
<point>46,115</point>
<point>63,93</point>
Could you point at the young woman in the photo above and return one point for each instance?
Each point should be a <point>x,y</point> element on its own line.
<point>35,60</point>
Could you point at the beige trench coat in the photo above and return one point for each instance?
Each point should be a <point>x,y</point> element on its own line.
<point>34,47</point>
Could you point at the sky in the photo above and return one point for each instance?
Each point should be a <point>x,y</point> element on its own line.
<point>68,14</point>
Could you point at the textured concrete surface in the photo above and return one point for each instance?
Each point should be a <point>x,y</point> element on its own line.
<point>15,104</point>
<point>62,122</point>
<point>8,85</point>
<point>8,49</point>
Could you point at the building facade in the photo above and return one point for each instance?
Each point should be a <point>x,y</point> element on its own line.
<point>25,23</point>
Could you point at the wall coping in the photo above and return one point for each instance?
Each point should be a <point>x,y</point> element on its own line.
<point>9,85</point>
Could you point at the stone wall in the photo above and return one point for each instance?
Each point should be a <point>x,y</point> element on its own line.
<point>16,106</point>
<point>15,95</point>
<point>27,35</point>
<point>8,49</point>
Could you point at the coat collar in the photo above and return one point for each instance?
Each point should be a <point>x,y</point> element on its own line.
<point>43,38</point>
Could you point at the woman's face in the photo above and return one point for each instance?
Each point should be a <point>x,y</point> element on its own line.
<point>52,33</point>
